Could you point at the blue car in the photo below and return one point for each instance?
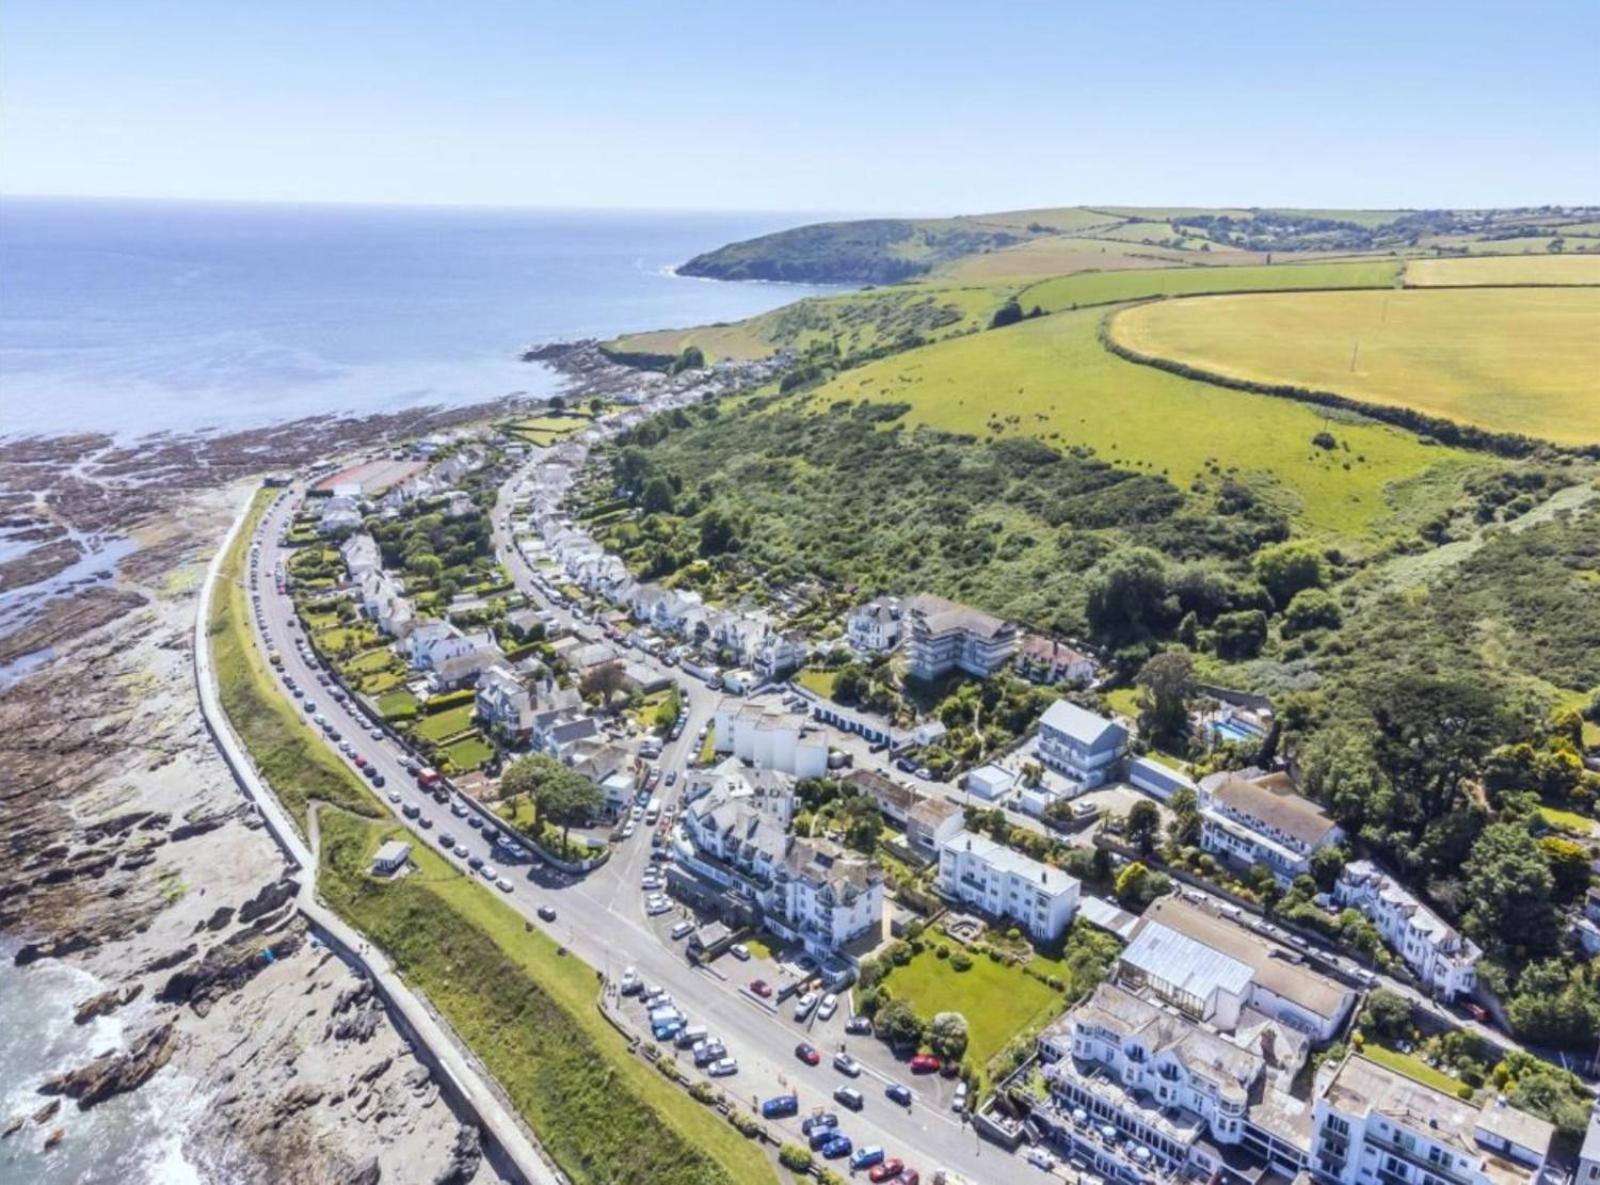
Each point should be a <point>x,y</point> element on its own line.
<point>900,1094</point>
<point>778,1108</point>
<point>822,1137</point>
<point>837,1147</point>
<point>813,1123</point>
<point>866,1158</point>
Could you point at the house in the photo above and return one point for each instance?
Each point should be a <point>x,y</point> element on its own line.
<point>360,555</point>
<point>874,628</point>
<point>990,782</point>
<point>465,666</point>
<point>770,792</point>
<point>771,739</point>
<point>561,732</point>
<point>893,798</point>
<point>1002,883</point>
<point>1375,1126</point>
<point>825,897</point>
<point>391,857</point>
<point>1589,1155</point>
<point>1250,817</point>
<point>431,641</point>
<point>932,823</point>
<point>1140,1093</point>
<point>339,513</point>
<point>778,654</point>
<point>1443,958</point>
<point>528,624</point>
<point>382,603</point>
<point>504,705</point>
<point>732,829</point>
<point>1050,661</point>
<point>1217,972</point>
<point>1081,745</point>
<point>943,636</point>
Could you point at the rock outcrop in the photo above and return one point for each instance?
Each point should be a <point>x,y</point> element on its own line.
<point>112,1074</point>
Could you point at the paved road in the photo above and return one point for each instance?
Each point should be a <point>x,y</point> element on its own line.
<point>601,918</point>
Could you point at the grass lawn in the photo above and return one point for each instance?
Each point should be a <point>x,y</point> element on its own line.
<point>1124,701</point>
<point>296,764</point>
<point>1568,821</point>
<point>1504,359</point>
<point>1412,1067</point>
<point>818,681</point>
<point>1067,292</point>
<point>398,705</point>
<point>1056,382</point>
<point>708,748</point>
<point>436,726</point>
<point>467,755</point>
<point>998,1001</point>
<point>529,1013</point>
<point>373,661</point>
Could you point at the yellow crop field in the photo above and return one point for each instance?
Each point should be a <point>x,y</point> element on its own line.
<point>1504,269</point>
<point>1058,255</point>
<point>1519,360</point>
<point>1051,378</point>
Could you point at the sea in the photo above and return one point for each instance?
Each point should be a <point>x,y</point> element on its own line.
<point>132,317</point>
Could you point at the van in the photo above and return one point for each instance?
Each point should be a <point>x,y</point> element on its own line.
<point>849,1096</point>
<point>690,1035</point>
<point>682,930</point>
<point>652,812</point>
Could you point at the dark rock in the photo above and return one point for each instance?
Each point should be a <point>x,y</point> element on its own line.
<point>185,831</point>
<point>269,898</point>
<point>464,1158</point>
<point>47,1112</point>
<point>229,965</point>
<point>53,948</point>
<point>376,1069</point>
<point>368,1172</point>
<point>122,824</point>
<point>13,1126</point>
<point>54,1138</point>
<point>171,959</point>
<point>219,918</point>
<point>106,1003</point>
<point>112,1074</point>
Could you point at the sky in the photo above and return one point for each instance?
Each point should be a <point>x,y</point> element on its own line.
<point>868,106</point>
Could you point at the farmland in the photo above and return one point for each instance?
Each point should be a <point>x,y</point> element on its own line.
<point>1051,378</point>
<point>1506,360</point>
<point>1066,292</point>
<point>1504,269</point>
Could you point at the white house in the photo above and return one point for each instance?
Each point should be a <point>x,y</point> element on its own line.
<point>382,603</point>
<point>1049,660</point>
<point>1374,1126</point>
<point>778,654</point>
<point>1589,1156</point>
<point>874,628</point>
<point>504,704</point>
<point>339,514</point>
<point>1250,817</point>
<point>431,641</point>
<point>932,823</point>
<point>1000,882</point>
<point>1443,959</point>
<point>1082,745</point>
<point>943,636</point>
<point>360,555</point>
<point>391,857</point>
<point>771,739</point>
<point>825,897</point>
<point>990,782</point>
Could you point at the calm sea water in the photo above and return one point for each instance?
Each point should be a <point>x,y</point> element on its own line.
<point>140,316</point>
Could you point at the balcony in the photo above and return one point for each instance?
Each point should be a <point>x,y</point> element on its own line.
<point>1419,1162</point>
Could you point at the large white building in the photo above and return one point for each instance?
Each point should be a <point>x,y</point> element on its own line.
<point>874,628</point>
<point>1444,959</point>
<point>942,636</point>
<point>1377,1127</point>
<point>1000,882</point>
<point>1081,745</point>
<point>504,704</point>
<point>825,897</point>
<point>1250,817</point>
<point>771,739</point>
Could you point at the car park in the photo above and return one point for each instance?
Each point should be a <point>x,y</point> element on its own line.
<point>847,1065</point>
<point>849,1096</point>
<point>899,1093</point>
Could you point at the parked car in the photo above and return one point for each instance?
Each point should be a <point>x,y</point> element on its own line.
<point>829,1005</point>
<point>503,885</point>
<point>837,1147</point>
<point>1476,1011</point>
<point>547,913</point>
<point>858,1026</point>
<point>818,1121</point>
<point>804,1005</point>
<point>682,930</point>
<point>849,1096</point>
<point>723,1067</point>
<point>900,1094</point>
<point>761,988</point>
<point>740,951</point>
<point>446,841</point>
<point>1040,1159</point>
<point>959,1103</point>
<point>807,1053</point>
<point>925,1063</point>
<point>474,862</point>
<point>866,1158</point>
<point>821,1137</point>
<point>780,1107</point>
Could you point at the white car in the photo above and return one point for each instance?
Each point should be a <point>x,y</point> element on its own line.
<point>740,951</point>
<point>682,930</point>
<point>503,885</point>
<point>830,1005</point>
<point>804,1005</point>
<point>489,873</point>
<point>959,1103</point>
<point>1040,1159</point>
<point>627,829</point>
<point>723,1067</point>
<point>653,908</point>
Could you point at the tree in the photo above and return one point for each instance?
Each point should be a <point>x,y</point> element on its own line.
<point>1128,597</point>
<point>1432,735</point>
<point>1337,768</point>
<point>657,497</point>
<point>862,822</point>
<point>1184,830</point>
<point>1509,887</point>
<point>1285,569</point>
<point>1569,865</point>
<point>1556,1005</point>
<point>631,469</point>
<point>668,711</point>
<point>1133,885</point>
<point>603,682</point>
<point>557,403</point>
<point>1326,865</point>
<point>1388,1014</point>
<point>596,406</point>
<point>1143,826</point>
<point>569,800</point>
<point>899,1025</point>
<point>1165,684</point>
<point>1240,635</point>
<point>1007,314</point>
<point>947,1036</point>
<point>717,534</point>
<point>1312,609</point>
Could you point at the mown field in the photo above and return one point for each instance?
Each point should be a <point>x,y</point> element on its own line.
<point>1507,360</point>
<point>1067,292</point>
<point>1051,378</point>
<point>1504,269</point>
<point>528,1011</point>
<point>1059,255</point>
<point>296,764</point>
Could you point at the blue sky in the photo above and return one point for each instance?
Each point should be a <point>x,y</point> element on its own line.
<point>863,106</point>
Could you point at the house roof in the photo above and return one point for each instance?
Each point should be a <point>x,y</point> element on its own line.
<point>1271,799</point>
<point>882,788</point>
<point>1043,876</point>
<point>1188,964</point>
<point>1087,728</point>
<point>1037,649</point>
<point>931,812</point>
<point>941,616</point>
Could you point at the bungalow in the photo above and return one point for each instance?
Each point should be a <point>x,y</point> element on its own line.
<point>1047,660</point>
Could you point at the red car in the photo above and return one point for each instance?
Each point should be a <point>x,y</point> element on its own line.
<point>807,1054</point>
<point>886,1170</point>
<point>761,988</point>
<point>925,1063</point>
<point>1477,1012</point>
<point>910,1177</point>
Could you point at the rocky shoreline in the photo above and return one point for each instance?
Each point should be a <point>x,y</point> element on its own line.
<point>129,854</point>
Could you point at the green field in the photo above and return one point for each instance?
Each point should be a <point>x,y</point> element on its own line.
<point>1112,287</point>
<point>1507,360</point>
<point>467,755</point>
<point>528,1010</point>
<point>436,726</point>
<point>1051,378</point>
<point>398,705</point>
<point>817,680</point>
<point>999,1001</point>
<point>297,765</point>
<point>1504,269</point>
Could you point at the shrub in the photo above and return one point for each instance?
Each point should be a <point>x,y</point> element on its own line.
<point>942,951</point>
<point>703,1092</point>
<point>795,1158</point>
<point>745,1125</point>
<point>961,961</point>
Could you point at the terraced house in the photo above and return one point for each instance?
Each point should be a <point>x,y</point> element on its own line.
<point>1445,960</point>
<point>1002,883</point>
<point>1251,817</point>
<point>942,636</point>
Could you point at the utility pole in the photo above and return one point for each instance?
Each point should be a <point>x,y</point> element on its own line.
<point>1353,355</point>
